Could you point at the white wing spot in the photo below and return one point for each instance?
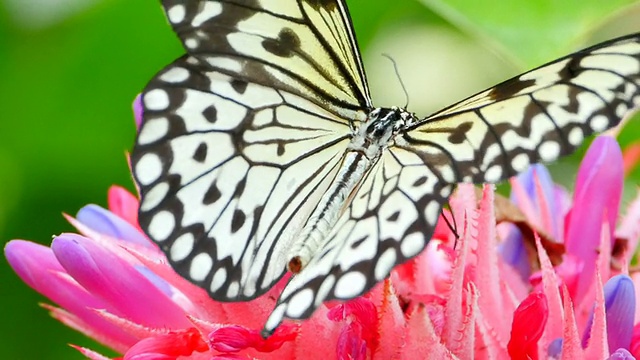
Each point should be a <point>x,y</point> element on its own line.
<point>621,110</point>
<point>156,99</point>
<point>211,9</point>
<point>154,196</point>
<point>324,289</point>
<point>548,150</point>
<point>432,211</point>
<point>599,123</point>
<point>385,263</point>
<point>182,247</point>
<point>191,43</point>
<point>161,226</point>
<point>575,136</point>
<point>299,303</point>
<point>153,130</point>
<point>175,75</point>
<point>350,285</point>
<point>176,14</point>
<point>412,244</point>
<point>200,267</point>
<point>148,169</point>
<point>493,173</point>
<point>275,318</point>
<point>218,280</point>
<point>520,162</point>
<point>233,290</point>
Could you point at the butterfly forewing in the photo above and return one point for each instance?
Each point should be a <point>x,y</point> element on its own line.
<point>537,116</point>
<point>228,171</point>
<point>304,47</point>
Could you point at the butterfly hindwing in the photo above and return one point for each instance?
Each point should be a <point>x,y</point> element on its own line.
<point>391,218</point>
<point>227,171</point>
<point>535,117</point>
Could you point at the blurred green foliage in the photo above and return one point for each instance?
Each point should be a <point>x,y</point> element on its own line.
<point>65,122</point>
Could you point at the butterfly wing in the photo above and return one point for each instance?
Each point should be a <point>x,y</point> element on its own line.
<point>225,169</point>
<point>305,47</point>
<point>537,116</point>
<point>541,115</point>
<point>242,136</point>
<point>390,220</point>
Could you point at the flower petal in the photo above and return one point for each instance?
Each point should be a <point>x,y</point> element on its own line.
<point>124,204</point>
<point>235,338</point>
<point>105,222</point>
<point>529,321</point>
<point>117,282</point>
<point>620,303</point>
<point>597,194</point>
<point>168,346</point>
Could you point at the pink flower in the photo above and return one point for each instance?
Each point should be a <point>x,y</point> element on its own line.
<point>476,296</point>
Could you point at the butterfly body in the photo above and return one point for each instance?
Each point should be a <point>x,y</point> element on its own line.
<point>260,149</point>
<point>368,142</point>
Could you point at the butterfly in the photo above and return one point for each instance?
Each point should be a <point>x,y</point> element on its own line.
<point>261,153</point>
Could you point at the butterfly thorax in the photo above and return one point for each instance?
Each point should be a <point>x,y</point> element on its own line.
<point>382,125</point>
<point>367,145</point>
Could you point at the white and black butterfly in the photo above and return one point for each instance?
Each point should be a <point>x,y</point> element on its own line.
<point>260,149</point>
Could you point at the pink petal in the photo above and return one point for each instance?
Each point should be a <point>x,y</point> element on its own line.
<point>37,266</point>
<point>421,338</point>
<point>529,321</point>
<point>571,348</point>
<point>597,194</point>
<point>168,346</point>
<point>595,338</point>
<point>90,354</point>
<point>123,204</point>
<point>390,325</point>
<point>318,336</point>
<point>235,338</point>
<point>117,282</point>
<point>487,277</point>
<point>551,291</point>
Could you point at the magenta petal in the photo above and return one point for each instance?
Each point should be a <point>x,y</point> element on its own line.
<point>596,198</point>
<point>107,223</point>
<point>117,282</point>
<point>37,266</point>
<point>32,262</point>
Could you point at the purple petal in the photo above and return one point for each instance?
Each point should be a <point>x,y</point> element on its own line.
<point>107,223</point>
<point>620,307</point>
<point>117,282</point>
<point>597,194</point>
<point>555,349</point>
<point>137,110</point>
<point>621,354</point>
<point>513,252</point>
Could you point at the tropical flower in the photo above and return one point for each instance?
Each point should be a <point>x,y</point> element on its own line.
<point>548,278</point>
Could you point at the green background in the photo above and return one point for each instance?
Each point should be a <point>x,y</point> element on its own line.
<point>66,89</point>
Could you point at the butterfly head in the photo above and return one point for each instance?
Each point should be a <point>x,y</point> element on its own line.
<point>382,125</point>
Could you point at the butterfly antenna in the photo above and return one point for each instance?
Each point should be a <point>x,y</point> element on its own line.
<point>404,88</point>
